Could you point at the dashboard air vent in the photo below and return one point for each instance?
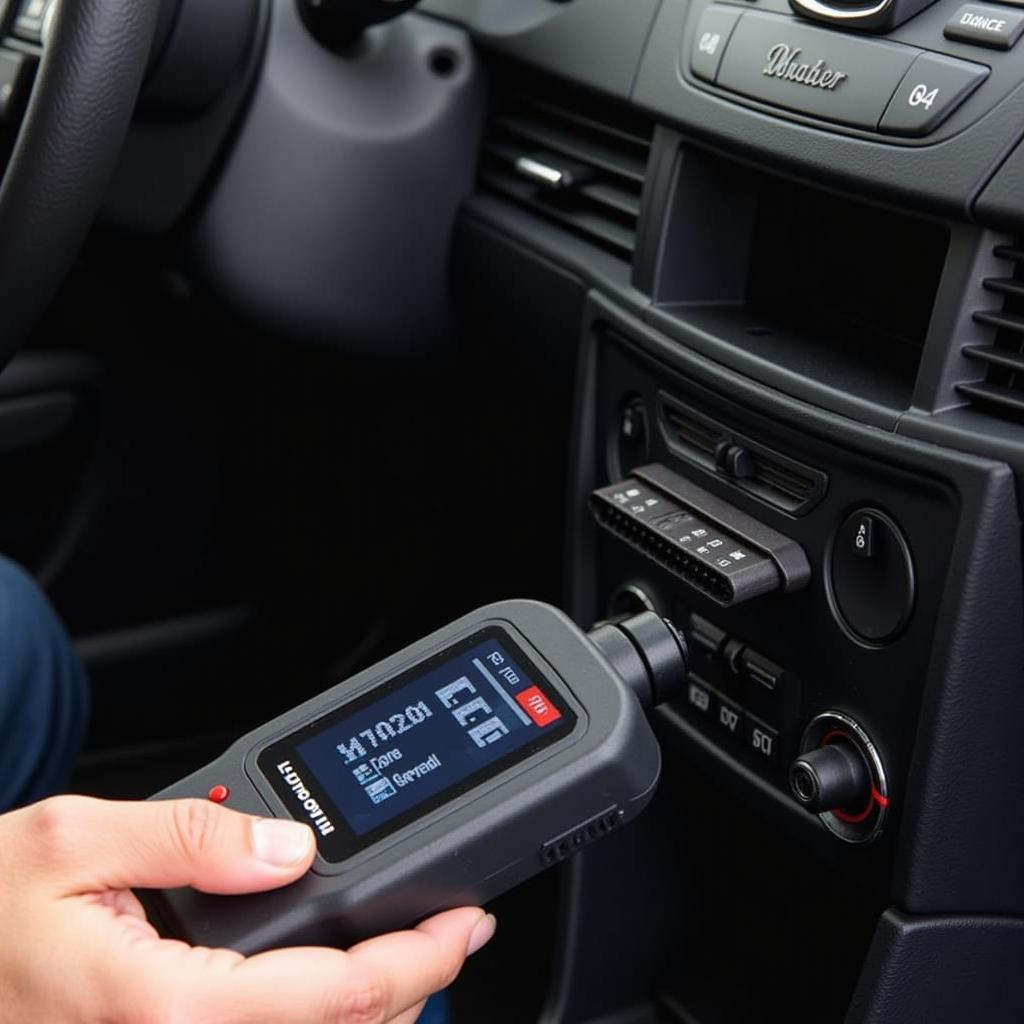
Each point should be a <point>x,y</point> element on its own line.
<point>1001,393</point>
<point>576,160</point>
<point>774,478</point>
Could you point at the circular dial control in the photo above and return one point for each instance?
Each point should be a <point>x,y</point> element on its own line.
<point>839,776</point>
<point>831,777</point>
<point>872,576</point>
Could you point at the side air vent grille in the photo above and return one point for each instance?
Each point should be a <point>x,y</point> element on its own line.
<point>774,478</point>
<point>581,166</point>
<point>1001,393</point>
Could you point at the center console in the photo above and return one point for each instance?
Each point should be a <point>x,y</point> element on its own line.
<point>787,248</point>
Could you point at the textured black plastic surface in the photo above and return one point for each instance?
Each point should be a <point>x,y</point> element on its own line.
<point>1000,205</point>
<point>963,843</point>
<point>943,970</point>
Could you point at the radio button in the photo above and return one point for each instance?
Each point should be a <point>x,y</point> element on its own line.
<point>713,31</point>
<point>814,71</point>
<point>730,717</point>
<point>932,89</point>
<point>762,739</point>
<point>985,25</point>
<point>873,596</point>
<point>701,698</point>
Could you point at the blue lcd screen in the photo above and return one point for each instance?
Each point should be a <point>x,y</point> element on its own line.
<point>416,740</point>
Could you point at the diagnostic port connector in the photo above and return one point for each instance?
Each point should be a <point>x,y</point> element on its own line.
<point>715,548</point>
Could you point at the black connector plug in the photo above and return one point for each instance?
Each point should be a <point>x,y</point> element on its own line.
<point>648,653</point>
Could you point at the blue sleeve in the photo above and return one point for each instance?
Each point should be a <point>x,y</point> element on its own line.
<point>43,693</point>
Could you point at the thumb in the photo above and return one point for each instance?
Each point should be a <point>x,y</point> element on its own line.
<point>100,844</point>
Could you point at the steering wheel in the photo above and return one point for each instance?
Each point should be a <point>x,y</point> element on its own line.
<point>66,147</point>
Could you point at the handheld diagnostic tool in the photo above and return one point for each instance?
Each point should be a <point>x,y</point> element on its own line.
<point>441,776</point>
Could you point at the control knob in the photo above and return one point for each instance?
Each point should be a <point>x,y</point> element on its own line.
<point>830,778</point>
<point>839,776</point>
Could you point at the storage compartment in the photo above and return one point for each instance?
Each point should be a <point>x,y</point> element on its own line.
<point>799,280</point>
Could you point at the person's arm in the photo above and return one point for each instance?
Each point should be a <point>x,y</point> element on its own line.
<point>75,945</point>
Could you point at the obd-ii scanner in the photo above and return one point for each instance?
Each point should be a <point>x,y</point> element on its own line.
<point>442,776</point>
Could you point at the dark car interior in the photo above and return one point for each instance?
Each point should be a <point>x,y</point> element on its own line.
<point>326,322</point>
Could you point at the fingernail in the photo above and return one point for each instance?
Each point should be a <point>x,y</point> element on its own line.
<point>281,843</point>
<point>482,933</point>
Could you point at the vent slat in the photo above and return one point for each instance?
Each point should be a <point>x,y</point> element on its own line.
<point>609,233</point>
<point>630,138</point>
<point>1002,321</point>
<point>796,486</point>
<point>1001,393</point>
<point>613,198</point>
<point>585,200</point>
<point>1003,357</point>
<point>692,432</point>
<point>1004,399</point>
<point>1004,286</point>
<point>605,194</point>
<point>607,148</point>
<point>1009,252</point>
<point>545,136</point>
<point>505,152</point>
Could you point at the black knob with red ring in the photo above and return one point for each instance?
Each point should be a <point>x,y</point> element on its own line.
<point>840,777</point>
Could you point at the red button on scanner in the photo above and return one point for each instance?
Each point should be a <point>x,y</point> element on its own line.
<point>538,707</point>
<point>218,794</point>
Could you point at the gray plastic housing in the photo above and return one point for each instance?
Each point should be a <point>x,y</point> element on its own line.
<point>594,42</point>
<point>465,852</point>
<point>331,216</point>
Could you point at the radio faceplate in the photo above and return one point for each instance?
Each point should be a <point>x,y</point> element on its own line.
<point>762,671</point>
<point>937,72</point>
<point>864,83</point>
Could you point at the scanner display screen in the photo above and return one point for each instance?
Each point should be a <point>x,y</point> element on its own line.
<point>415,742</point>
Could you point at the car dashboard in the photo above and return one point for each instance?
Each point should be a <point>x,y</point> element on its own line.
<point>745,284</point>
<point>792,233</point>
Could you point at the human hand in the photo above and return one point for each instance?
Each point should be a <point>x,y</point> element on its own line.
<point>75,945</point>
